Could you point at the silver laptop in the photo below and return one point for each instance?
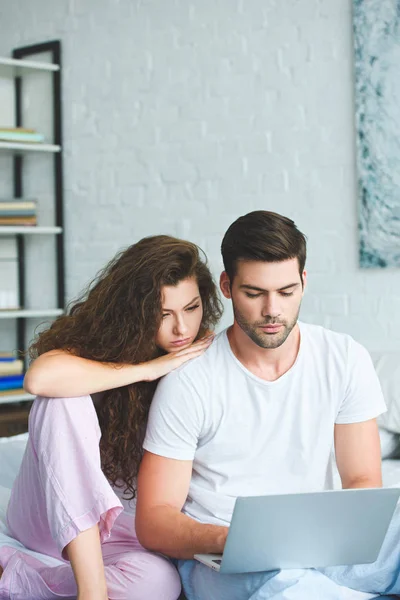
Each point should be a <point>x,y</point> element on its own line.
<point>291,531</point>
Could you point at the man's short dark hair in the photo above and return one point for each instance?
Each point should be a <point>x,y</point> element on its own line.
<point>262,236</point>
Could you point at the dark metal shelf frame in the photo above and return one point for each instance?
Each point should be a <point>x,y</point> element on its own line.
<point>54,48</point>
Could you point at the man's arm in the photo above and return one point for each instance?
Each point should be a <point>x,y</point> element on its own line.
<point>358,454</point>
<point>163,485</point>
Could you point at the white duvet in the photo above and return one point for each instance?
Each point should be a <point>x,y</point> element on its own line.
<point>11,452</point>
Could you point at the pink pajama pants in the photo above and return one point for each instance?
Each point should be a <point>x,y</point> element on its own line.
<point>61,491</point>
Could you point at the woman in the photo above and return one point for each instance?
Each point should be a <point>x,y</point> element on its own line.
<point>148,312</point>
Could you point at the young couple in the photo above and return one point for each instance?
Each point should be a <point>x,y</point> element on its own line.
<point>259,411</point>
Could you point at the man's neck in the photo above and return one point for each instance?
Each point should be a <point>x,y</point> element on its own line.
<point>266,363</point>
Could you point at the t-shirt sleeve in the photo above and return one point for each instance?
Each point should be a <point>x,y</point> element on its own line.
<point>363,398</point>
<point>175,419</point>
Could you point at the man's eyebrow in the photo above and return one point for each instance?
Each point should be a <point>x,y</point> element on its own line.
<point>189,303</point>
<point>258,289</point>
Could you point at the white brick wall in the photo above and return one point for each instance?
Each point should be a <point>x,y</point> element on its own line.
<point>179,116</point>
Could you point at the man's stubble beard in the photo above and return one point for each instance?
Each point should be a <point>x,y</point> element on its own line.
<point>266,340</point>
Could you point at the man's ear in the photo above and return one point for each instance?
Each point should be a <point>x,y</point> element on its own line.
<point>304,280</point>
<point>225,285</point>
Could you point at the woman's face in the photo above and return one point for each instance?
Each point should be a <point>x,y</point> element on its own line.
<point>182,311</point>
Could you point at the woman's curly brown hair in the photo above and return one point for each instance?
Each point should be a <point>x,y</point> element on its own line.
<point>116,321</point>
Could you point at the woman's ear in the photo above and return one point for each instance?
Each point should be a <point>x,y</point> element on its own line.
<point>225,285</point>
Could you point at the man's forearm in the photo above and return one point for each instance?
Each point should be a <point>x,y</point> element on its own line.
<point>362,482</point>
<point>165,529</point>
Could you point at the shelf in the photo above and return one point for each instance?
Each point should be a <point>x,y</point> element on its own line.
<point>29,230</point>
<point>12,67</point>
<point>30,313</point>
<point>12,398</point>
<point>31,147</point>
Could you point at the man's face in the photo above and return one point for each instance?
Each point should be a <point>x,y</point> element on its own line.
<point>266,299</point>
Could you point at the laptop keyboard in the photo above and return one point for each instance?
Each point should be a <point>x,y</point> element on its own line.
<point>217,561</point>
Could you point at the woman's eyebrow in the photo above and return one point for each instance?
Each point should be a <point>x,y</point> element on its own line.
<point>189,303</point>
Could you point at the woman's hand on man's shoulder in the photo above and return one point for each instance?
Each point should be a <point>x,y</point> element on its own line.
<point>154,369</point>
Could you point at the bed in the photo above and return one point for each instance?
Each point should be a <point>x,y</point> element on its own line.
<point>12,449</point>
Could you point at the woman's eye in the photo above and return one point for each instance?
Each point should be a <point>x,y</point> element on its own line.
<point>192,308</point>
<point>166,315</point>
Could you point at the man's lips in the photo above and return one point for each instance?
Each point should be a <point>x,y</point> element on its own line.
<point>271,328</point>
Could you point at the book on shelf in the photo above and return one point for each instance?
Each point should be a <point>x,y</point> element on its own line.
<point>18,220</point>
<point>7,356</point>
<point>11,367</point>
<point>17,205</point>
<point>18,212</point>
<point>20,134</point>
<point>11,375</point>
<point>11,382</point>
<point>11,378</point>
<point>17,392</point>
<point>22,129</point>
<point>9,299</point>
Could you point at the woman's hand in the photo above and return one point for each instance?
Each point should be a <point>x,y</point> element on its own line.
<point>158,367</point>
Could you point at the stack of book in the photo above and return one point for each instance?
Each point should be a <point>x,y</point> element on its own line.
<point>20,134</point>
<point>11,375</point>
<point>18,212</point>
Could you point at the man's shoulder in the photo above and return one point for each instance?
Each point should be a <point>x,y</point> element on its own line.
<point>330,342</point>
<point>323,335</point>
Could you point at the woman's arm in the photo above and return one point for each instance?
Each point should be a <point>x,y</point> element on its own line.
<point>84,553</point>
<point>60,374</point>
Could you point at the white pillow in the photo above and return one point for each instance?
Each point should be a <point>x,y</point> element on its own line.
<point>390,443</point>
<point>387,366</point>
<point>11,452</point>
<point>4,498</point>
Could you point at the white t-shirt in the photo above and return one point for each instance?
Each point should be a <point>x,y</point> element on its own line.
<point>250,437</point>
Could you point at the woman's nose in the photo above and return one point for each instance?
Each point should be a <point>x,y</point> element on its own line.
<point>180,326</point>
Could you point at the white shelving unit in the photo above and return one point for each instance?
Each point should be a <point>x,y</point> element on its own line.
<point>12,71</point>
<point>30,313</point>
<point>13,398</point>
<point>14,67</point>
<point>29,230</point>
<point>30,147</point>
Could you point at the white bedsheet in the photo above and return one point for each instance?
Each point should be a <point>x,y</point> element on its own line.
<point>11,452</point>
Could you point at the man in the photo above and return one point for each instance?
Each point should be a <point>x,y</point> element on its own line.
<point>260,412</point>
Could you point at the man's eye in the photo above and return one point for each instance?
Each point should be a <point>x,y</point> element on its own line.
<point>287,293</point>
<point>252,295</point>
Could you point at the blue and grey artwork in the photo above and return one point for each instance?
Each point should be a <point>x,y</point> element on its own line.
<point>377,76</point>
